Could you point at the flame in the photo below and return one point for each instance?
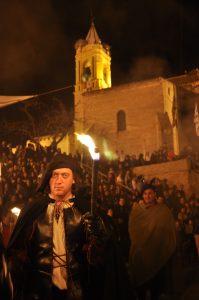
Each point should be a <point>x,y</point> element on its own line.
<point>16,211</point>
<point>88,141</point>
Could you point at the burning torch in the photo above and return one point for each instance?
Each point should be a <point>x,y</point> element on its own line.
<point>88,141</point>
<point>16,211</point>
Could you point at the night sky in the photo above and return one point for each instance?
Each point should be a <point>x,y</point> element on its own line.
<point>148,38</point>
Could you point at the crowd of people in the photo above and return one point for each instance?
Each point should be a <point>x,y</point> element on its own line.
<point>118,189</point>
<point>118,186</point>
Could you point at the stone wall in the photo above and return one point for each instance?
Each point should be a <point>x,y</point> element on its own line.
<point>141,102</point>
<point>177,172</point>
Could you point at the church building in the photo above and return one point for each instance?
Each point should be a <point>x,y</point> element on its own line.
<point>137,117</point>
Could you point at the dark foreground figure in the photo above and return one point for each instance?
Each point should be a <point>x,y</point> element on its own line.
<point>58,253</point>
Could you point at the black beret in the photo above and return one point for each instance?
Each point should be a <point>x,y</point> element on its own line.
<point>58,162</point>
<point>148,186</point>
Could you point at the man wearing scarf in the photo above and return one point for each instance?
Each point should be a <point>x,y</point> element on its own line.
<point>54,247</point>
<point>153,243</point>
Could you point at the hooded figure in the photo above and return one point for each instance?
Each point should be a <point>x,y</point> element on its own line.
<point>53,246</point>
<point>153,242</point>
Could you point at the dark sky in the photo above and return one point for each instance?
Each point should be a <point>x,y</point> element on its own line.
<point>148,38</point>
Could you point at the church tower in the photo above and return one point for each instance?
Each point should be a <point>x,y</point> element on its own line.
<point>93,63</point>
<point>93,72</point>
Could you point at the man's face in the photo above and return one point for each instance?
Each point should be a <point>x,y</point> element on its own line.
<point>121,202</point>
<point>149,196</point>
<point>61,182</point>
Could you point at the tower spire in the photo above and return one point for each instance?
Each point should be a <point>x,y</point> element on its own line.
<point>92,36</point>
<point>93,62</point>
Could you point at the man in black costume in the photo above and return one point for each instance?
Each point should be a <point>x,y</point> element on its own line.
<point>54,248</point>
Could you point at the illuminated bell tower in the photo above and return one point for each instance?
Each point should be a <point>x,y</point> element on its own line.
<point>93,63</point>
<point>93,72</point>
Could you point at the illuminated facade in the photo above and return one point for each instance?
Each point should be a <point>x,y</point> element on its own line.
<point>93,71</point>
<point>93,63</point>
<point>138,117</point>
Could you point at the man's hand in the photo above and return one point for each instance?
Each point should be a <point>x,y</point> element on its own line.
<point>92,223</point>
<point>96,238</point>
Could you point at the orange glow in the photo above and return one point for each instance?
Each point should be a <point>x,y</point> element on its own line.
<point>88,141</point>
<point>16,211</point>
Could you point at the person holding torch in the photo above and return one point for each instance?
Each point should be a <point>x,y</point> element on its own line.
<point>53,246</point>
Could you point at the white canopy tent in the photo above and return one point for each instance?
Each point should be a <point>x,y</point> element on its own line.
<point>8,100</point>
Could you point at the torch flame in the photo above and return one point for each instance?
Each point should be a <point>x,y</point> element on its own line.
<point>16,211</point>
<point>88,141</point>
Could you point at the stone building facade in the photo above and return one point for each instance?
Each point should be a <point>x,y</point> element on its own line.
<point>137,117</point>
<point>124,117</point>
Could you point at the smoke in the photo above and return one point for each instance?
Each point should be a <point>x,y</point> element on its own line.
<point>37,38</point>
<point>154,37</point>
<point>148,67</point>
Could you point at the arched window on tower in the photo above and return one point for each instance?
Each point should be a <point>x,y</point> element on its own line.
<point>86,71</point>
<point>121,120</point>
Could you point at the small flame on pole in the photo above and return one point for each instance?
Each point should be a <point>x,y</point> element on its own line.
<point>88,141</point>
<point>16,211</point>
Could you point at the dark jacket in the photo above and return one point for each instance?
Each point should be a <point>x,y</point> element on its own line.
<point>29,253</point>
